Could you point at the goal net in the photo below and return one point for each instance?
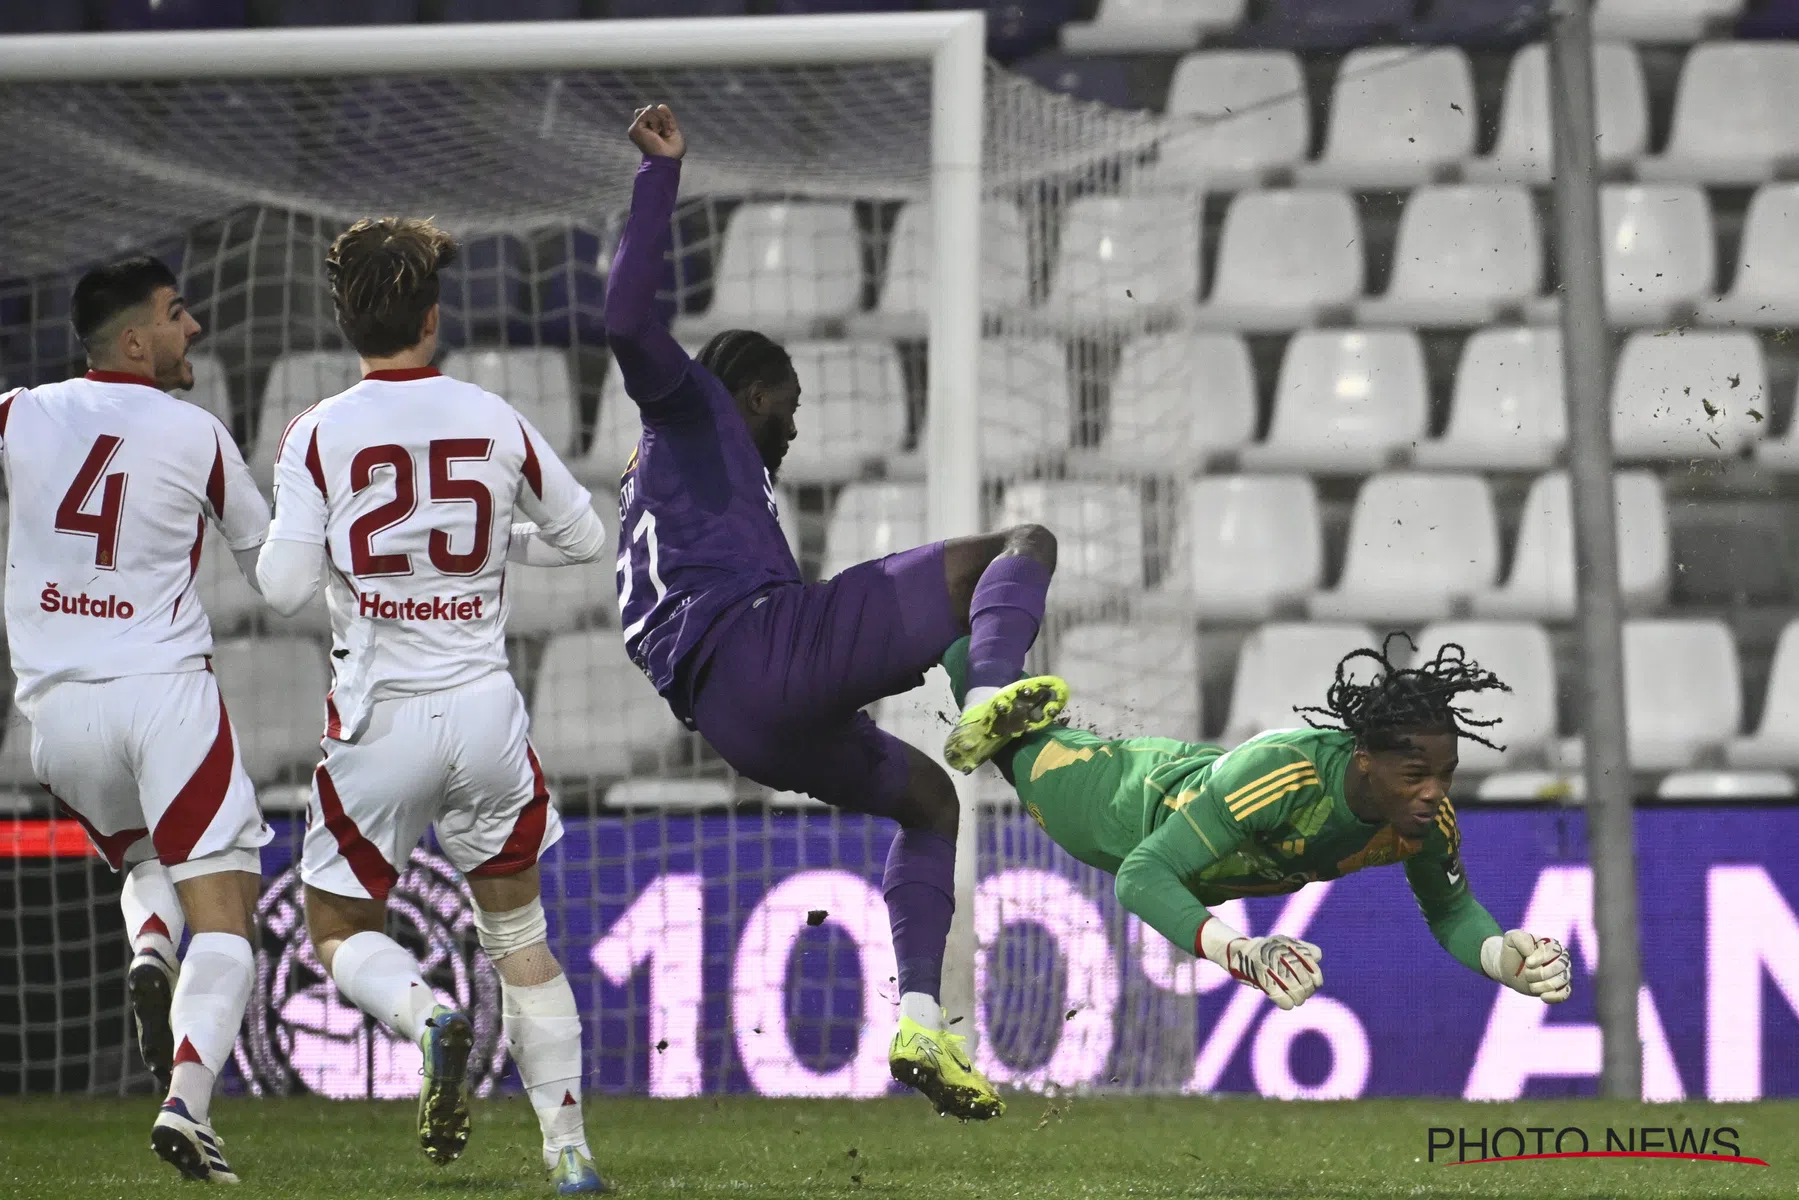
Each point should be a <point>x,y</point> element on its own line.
<point>719,938</point>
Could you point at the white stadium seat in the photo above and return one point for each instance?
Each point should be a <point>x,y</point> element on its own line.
<point>1733,115</point>
<point>593,711</point>
<point>852,408</point>
<point>1524,152</point>
<point>1026,405</point>
<point>1541,583</point>
<point>1126,260</point>
<point>1782,453</point>
<point>1132,680</point>
<point>1418,545</point>
<point>1285,258</point>
<point>1465,256</point>
<point>1346,401</point>
<point>551,599</point>
<point>1178,398</point>
<point>1236,118</point>
<point>1507,412</point>
<point>1099,533</point>
<point>1250,546</point>
<point>1775,742</point>
<point>533,380</point>
<point>296,382</point>
<point>1683,698</point>
<point>1662,385</point>
<point>1660,259</point>
<point>1282,666</point>
<point>1661,20</point>
<point>1765,290</point>
<point>784,266</point>
<point>905,295</point>
<point>1520,654</point>
<point>1399,116</point>
<point>274,689</point>
<point>1131,26</point>
<point>209,391</point>
<point>872,520</point>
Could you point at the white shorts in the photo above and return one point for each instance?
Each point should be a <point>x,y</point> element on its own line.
<point>150,767</point>
<point>459,760</point>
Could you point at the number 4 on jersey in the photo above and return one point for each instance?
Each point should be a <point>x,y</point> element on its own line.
<point>103,527</point>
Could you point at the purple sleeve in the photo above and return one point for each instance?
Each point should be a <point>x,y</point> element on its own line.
<point>650,361</point>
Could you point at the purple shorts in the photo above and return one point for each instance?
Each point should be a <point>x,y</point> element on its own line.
<point>780,696</point>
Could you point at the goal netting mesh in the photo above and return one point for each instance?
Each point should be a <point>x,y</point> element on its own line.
<point>684,902</point>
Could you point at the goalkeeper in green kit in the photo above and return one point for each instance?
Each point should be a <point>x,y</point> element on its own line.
<point>1183,825</point>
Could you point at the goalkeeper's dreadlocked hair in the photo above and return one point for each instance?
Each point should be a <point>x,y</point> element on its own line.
<point>1404,700</point>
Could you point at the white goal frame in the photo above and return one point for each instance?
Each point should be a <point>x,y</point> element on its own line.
<point>952,42</point>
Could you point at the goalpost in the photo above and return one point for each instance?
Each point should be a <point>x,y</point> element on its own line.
<point>883,150</point>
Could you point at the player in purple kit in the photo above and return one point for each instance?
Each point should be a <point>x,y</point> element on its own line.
<point>774,671</point>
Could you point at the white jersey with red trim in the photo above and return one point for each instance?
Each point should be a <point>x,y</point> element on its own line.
<point>112,482</point>
<point>410,480</point>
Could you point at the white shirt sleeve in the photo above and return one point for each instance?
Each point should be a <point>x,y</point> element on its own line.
<point>551,497</point>
<point>582,539</point>
<point>299,486</point>
<point>288,573</point>
<point>237,507</point>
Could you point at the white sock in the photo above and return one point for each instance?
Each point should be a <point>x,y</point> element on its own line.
<point>154,920</point>
<point>978,695</point>
<point>375,973</point>
<point>543,1031</point>
<point>205,1014</point>
<point>922,1009</point>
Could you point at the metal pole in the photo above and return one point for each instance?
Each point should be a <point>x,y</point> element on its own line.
<point>1586,359</point>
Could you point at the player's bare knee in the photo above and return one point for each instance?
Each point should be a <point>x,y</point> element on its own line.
<point>1032,541</point>
<point>218,892</point>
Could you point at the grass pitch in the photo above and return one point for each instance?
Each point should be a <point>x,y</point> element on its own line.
<point>748,1148</point>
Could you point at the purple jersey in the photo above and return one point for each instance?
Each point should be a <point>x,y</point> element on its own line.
<point>698,527</point>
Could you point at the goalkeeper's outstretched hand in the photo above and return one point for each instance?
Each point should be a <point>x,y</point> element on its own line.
<point>654,130</point>
<point>1530,965</point>
<point>1283,967</point>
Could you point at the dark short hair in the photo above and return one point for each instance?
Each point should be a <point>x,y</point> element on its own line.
<point>1401,701</point>
<point>106,291</point>
<point>383,275</point>
<point>741,357</point>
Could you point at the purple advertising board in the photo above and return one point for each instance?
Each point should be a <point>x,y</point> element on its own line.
<point>749,953</point>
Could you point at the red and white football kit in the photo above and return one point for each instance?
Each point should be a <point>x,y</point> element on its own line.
<point>405,485</point>
<point>112,483</point>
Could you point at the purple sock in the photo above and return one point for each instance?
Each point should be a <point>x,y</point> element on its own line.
<point>920,889</point>
<point>1003,619</point>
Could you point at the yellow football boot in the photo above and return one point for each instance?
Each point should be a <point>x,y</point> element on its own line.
<point>935,1061</point>
<point>1021,707</point>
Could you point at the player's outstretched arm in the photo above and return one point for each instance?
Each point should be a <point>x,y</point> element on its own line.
<point>293,559</point>
<point>651,362</point>
<point>562,529</point>
<point>235,505</point>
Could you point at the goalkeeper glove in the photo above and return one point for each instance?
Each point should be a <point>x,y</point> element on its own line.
<point>1532,966</point>
<point>1283,967</point>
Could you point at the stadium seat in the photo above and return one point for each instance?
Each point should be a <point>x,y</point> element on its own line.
<point>592,711</point>
<point>785,267</point>
<point>1661,20</point>
<point>535,381</point>
<point>901,309</point>
<point>347,12</point>
<point>1284,666</point>
<point>1775,742</point>
<point>274,689</point>
<point>1126,260</point>
<point>1324,25</point>
<point>1132,680</point>
<point>1236,118</point>
<point>296,382</point>
<point>1662,388</point>
<point>226,596</point>
<point>511,10</point>
<point>1099,534</point>
<point>1732,115</point>
<point>676,795</point>
<point>1250,547</point>
<point>1027,408</point>
<point>1418,545</point>
<point>1683,696</point>
<point>1782,453</point>
<point>1726,786</point>
<point>553,599</point>
<point>1520,654</point>
<point>1398,116</point>
<point>1113,80</point>
<point>1286,259</point>
<point>1524,153</point>
<point>852,408</point>
<point>871,520</point>
<point>487,293</point>
<point>1348,402</point>
<point>1765,290</point>
<point>1466,255</point>
<point>1541,583</point>
<point>1507,413</point>
<point>1150,26</point>
<point>1660,258</point>
<point>163,14</point>
<point>572,308</point>
<point>209,391</point>
<point>1177,399</point>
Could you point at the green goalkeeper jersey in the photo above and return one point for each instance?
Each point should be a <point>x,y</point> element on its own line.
<point>1185,825</point>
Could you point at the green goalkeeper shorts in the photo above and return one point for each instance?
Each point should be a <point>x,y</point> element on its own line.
<point>1093,795</point>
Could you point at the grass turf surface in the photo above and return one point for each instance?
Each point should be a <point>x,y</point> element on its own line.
<point>745,1147</point>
